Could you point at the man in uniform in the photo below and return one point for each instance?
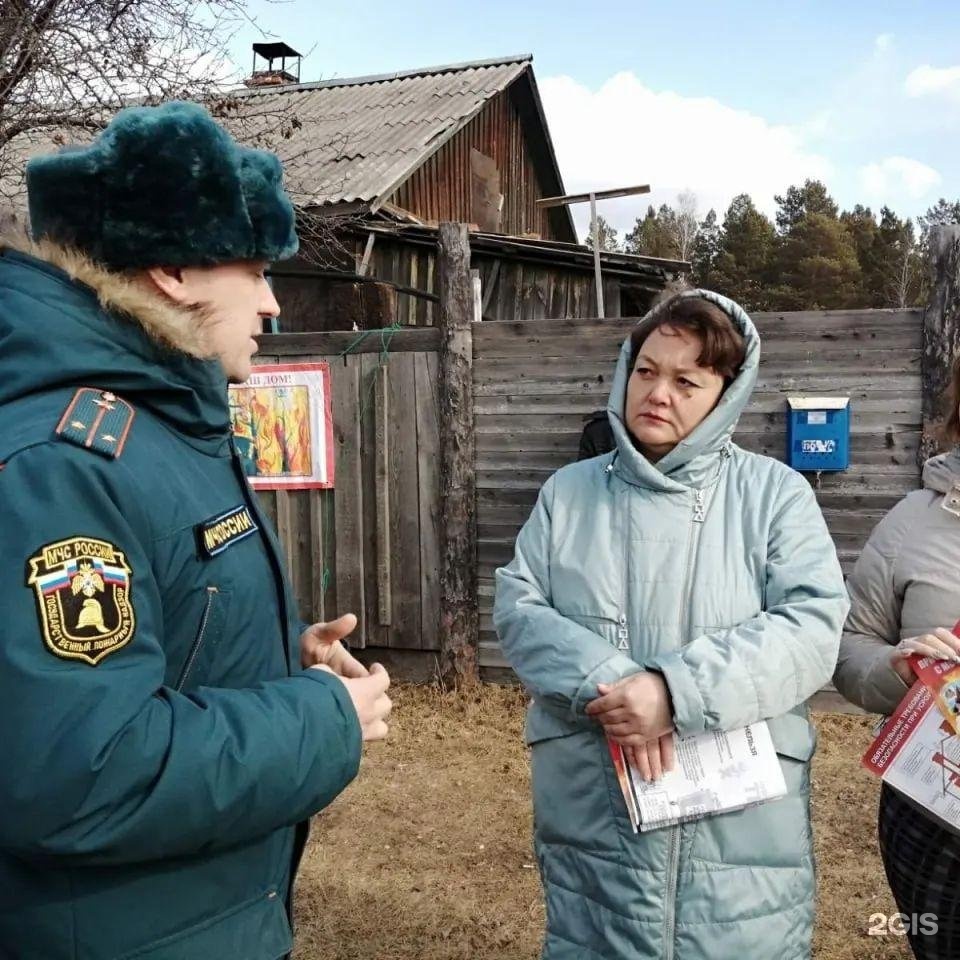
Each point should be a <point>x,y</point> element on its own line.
<point>168,724</point>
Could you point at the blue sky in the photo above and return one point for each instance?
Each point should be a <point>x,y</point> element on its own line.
<point>713,97</point>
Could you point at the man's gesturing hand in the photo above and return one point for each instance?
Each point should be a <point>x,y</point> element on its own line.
<point>320,646</point>
<point>370,700</point>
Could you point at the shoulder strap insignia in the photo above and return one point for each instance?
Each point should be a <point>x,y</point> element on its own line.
<point>98,420</point>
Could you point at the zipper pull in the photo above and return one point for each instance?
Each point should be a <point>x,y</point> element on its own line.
<point>699,508</point>
<point>623,635</point>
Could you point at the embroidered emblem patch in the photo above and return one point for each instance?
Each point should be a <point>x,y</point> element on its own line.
<point>82,588</point>
<point>224,530</point>
<point>98,420</point>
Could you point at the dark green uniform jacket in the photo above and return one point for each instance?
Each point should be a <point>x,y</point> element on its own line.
<point>160,742</point>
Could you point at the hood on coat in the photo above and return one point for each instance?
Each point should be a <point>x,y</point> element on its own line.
<point>66,321</point>
<point>692,462</point>
<point>941,473</point>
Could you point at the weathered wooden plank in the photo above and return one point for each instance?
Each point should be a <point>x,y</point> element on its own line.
<point>382,496</point>
<point>348,499</point>
<point>285,528</point>
<point>427,371</point>
<point>322,535</point>
<point>615,331</point>
<point>404,505</point>
<point>565,442</point>
<point>809,322</point>
<point>332,343</point>
<point>302,552</point>
<point>507,293</point>
<point>374,634</point>
<point>876,353</point>
<point>268,504</point>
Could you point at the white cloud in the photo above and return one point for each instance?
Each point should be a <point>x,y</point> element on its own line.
<point>927,81</point>
<point>626,133</point>
<point>895,176</point>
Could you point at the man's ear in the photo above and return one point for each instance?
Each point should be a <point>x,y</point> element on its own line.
<point>169,281</point>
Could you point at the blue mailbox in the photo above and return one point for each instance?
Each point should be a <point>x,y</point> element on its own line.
<point>818,433</point>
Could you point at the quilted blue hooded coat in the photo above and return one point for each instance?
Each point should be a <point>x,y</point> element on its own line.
<point>741,612</point>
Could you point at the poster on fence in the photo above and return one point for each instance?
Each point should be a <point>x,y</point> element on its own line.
<point>283,426</point>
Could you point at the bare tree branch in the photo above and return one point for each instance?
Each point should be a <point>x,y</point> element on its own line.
<point>67,66</point>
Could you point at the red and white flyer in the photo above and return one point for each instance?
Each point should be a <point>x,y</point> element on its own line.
<point>917,752</point>
<point>917,749</point>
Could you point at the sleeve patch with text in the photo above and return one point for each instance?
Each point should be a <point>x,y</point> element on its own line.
<point>82,587</point>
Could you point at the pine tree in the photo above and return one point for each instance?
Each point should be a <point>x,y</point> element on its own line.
<point>818,266</point>
<point>741,268</point>
<point>705,250</point>
<point>816,257</point>
<point>812,197</point>
<point>653,236</point>
<point>865,233</point>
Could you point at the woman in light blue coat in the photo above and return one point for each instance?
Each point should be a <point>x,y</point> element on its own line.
<point>680,584</point>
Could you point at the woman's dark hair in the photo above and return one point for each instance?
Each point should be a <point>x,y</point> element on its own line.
<point>724,348</point>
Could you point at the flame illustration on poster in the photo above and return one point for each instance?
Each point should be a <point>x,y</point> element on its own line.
<point>283,427</point>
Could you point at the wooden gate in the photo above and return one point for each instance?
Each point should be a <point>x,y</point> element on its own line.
<point>371,545</point>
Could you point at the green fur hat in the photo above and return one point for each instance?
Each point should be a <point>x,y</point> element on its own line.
<point>163,186</point>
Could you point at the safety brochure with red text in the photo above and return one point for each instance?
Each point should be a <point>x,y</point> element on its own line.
<point>917,749</point>
<point>715,772</point>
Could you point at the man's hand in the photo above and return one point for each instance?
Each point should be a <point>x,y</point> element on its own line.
<point>320,646</point>
<point>370,700</point>
<point>653,758</point>
<point>633,710</point>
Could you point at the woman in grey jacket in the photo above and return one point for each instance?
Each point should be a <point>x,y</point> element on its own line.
<point>905,595</point>
<point>682,584</point>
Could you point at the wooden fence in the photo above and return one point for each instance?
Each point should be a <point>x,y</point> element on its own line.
<point>382,544</point>
<point>370,546</point>
<point>373,545</point>
<point>535,381</point>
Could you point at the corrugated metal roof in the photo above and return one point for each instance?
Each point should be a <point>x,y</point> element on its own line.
<point>360,138</point>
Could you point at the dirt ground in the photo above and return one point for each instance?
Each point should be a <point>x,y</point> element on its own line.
<point>427,855</point>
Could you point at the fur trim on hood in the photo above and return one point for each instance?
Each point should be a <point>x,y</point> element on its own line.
<point>123,295</point>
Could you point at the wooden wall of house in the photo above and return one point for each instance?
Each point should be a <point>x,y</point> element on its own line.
<point>445,186</point>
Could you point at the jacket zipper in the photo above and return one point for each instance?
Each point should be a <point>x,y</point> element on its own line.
<point>673,861</point>
<point>673,857</point>
<point>198,642</point>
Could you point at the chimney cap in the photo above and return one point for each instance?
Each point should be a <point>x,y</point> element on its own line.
<point>271,51</point>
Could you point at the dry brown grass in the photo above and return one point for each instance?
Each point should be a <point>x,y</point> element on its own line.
<point>427,856</point>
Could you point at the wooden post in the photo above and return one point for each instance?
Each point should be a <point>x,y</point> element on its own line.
<point>597,276</point>
<point>458,620</point>
<point>941,332</point>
